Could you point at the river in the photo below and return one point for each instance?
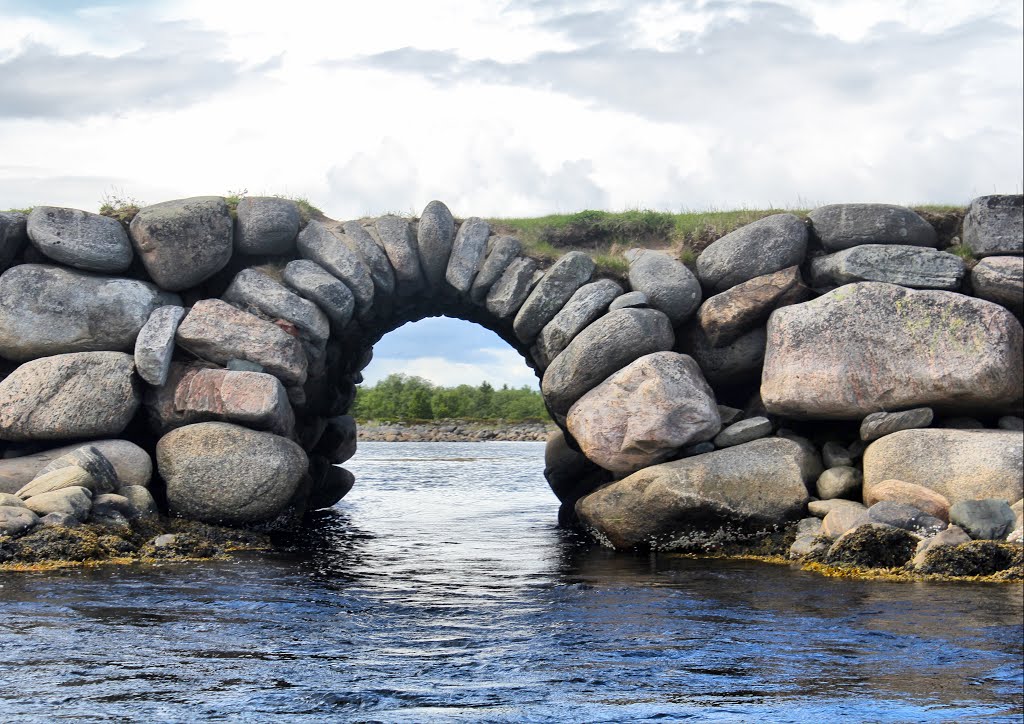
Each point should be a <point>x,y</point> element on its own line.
<point>441,590</point>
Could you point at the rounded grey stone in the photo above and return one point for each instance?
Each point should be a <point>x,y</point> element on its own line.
<point>736,363</point>
<point>501,251</point>
<point>434,236</point>
<point>80,239</point>
<point>763,247</point>
<point>317,243</point>
<point>399,242</point>
<point>879,424</point>
<point>266,225</point>
<point>905,516</point>
<point>743,431</point>
<point>908,266</point>
<point>668,284</point>
<point>636,300</point>
<point>1000,279</point>
<point>989,519</point>
<point>587,304</point>
<point>839,482</point>
<point>835,455</point>
<point>510,291</point>
<point>317,284</point>
<point>15,520</point>
<point>358,238</point>
<point>842,226</point>
<point>154,346</point>
<point>467,255</point>
<point>551,293</point>
<point>253,290</point>
<point>13,236</point>
<point>995,225</point>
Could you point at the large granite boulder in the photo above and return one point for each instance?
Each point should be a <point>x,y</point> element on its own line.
<point>131,463</point>
<point>1000,279</point>
<point>908,266</point>
<point>68,396</point>
<point>184,242</point>
<point>46,310</point>
<point>226,474</point>
<point>252,290</point>
<point>155,344</point>
<point>215,331</point>
<point>318,244</point>
<point>510,291</point>
<point>585,305</point>
<point>266,225</point>
<point>359,239</point>
<point>72,502</point>
<point>644,413</point>
<point>13,236</point>
<point>604,347</point>
<point>318,285</point>
<point>80,239</point>
<point>399,241</point>
<point>957,464</point>
<point>726,317</point>
<point>764,247</point>
<point>551,293</point>
<point>844,226</point>
<point>756,485</point>
<point>434,237</point>
<point>501,251</point>
<point>737,363</point>
<point>871,347</point>
<point>994,225</point>
<point>468,251</point>
<point>666,281</point>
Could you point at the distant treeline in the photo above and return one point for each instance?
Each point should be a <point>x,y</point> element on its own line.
<point>404,397</point>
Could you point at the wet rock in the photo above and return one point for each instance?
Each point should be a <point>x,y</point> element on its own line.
<point>184,242</point>
<point>736,363</point>
<point>839,482</point>
<point>743,431</point>
<point>217,472</point>
<point>214,330</point>
<point>67,396</point>
<point>435,236</point>
<point>873,546</point>
<point>880,424</point>
<point>334,484</point>
<point>988,519</point>
<point>918,496</point>
<point>140,502</point>
<point>1000,279</point>
<point>821,508</point>
<point>907,517</point>
<point>839,520</point>
<point>77,238</point>
<point>68,477</point>
<point>339,439</point>
<point>468,251</point>
<point>756,484</point>
<point>316,284</point>
<point>266,225</point>
<point>957,464</point>
<point>501,251</point>
<point>835,455</point>
<point>359,239</point>
<point>586,305</point>
<point>604,347</point>
<point>318,244</point>
<point>551,293</point>
<point>667,283</point>
<point>974,558</point>
<point>993,225</point>
<point>644,412</point>
<point>908,266</point>
<point>47,310</point>
<point>511,290</point>
<point>399,241</point>
<point>155,344</point>
<point>844,226</point>
<point>13,236</point>
<point>629,300</point>
<point>252,290</point>
<point>881,347</point>
<point>73,502</point>
<point>15,520</point>
<point>725,317</point>
<point>764,247</point>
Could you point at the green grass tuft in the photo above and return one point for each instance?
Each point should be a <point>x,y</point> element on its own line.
<point>119,205</point>
<point>27,210</point>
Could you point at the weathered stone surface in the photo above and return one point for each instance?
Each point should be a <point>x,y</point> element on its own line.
<point>132,464</point>
<point>467,255</point>
<point>812,467</point>
<point>729,415</point>
<point>1000,279</point>
<point>727,316</point>
<point>604,347</point>
<point>808,545</point>
<point>644,412</point>
<point>986,519</point>
<point>67,396</point>
<point>668,284</point>
<point>993,225</point>
<point>214,330</point>
<point>15,520</point>
<point>843,226</point>
<point>630,299</point>
<point>318,285</point>
<point>11,500</point>
<point>839,520</point>
<point>821,508</point>
<point>80,239</point>
<point>253,290</point>
<point>839,482</point>
<point>106,504</point>
<point>501,251</point>
<point>756,484</point>
<point>587,304</point>
<point>435,235</point>
<point>266,225</point>
<point>570,475</point>
<point>73,502</point>
<point>155,344</point>
<point>954,535</point>
<point>222,473</point>
<point>743,431</point>
<point>764,247</point>
<point>736,363</point>
<point>13,236</point>
<point>877,347</point>
<point>908,266</point>
<point>551,293</point>
<point>47,310</point>
<point>318,244</point>
<point>360,239</point>
<point>399,242</point>
<point>333,485</point>
<point>873,545</point>
<point>905,516</point>
<point>957,464</point>
<point>102,472</point>
<point>880,424</point>
<point>184,242</point>
<point>69,477</point>
<point>835,455</point>
<point>511,290</point>
<point>252,399</point>
<point>140,502</point>
<point>899,491</point>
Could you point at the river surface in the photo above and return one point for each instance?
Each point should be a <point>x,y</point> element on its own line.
<point>441,590</point>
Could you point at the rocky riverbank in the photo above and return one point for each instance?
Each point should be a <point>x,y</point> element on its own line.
<point>455,431</point>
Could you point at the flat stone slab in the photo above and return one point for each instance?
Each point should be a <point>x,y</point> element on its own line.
<point>844,226</point>
<point>155,344</point>
<point>908,266</point>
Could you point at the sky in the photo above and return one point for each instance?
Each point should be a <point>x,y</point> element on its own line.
<point>511,108</point>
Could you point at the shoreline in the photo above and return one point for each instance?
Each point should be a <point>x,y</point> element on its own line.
<point>454,431</point>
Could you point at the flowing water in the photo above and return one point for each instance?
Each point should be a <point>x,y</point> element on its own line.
<point>440,590</point>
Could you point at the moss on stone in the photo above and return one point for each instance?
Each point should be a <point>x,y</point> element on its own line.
<point>976,558</point>
<point>873,546</point>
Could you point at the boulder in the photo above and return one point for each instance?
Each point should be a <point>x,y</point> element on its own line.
<point>821,508</point>
<point>604,347</point>
<point>184,242</point>
<point>736,363</point>
<point>839,482</point>
<point>214,330</point>
<point>140,502</point>
<point>73,502</point>
<point>59,520</point>
<point>11,500</point>
<point>957,464</point>
<point>105,505</point>
<point>570,474</point>
<point>359,239</point>
<point>870,347</point>
<point>755,485</point>
<point>907,517</point>
<point>844,226</point>
<point>333,485</point>
<point>987,519</point>
<point>16,520</point>
<point>743,431</point>
<point>47,310</point>
<point>80,239</point>
<point>435,235</point>
<point>266,225</point>
<point>252,399</point>
<point>101,476</point>
<point>668,284</point>
<point>727,316</point>
<point>839,520</point>
<point>585,305</point>
<point>764,247</point>
<point>809,546</point>
<point>67,396</point>
<point>551,293</point>
<point>251,290</point>
<point>318,285</point>
<point>508,294</point>
<point>954,535</point>
<point>873,545</point>
<point>973,558</point>
<point>467,255</point>
<point>318,244</point>
<point>501,251</point>
<point>898,491</point>
<point>155,344</point>
<point>644,412</point>
<point>399,241</point>
<point>908,266</point>
<point>13,236</point>
<point>225,474</point>
<point>835,455</point>
<point>131,463</point>
<point>339,439</point>
<point>1000,279</point>
<point>993,225</point>
<point>880,424</point>
<point>628,300</point>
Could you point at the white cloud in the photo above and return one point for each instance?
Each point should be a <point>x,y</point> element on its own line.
<point>505,367</point>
